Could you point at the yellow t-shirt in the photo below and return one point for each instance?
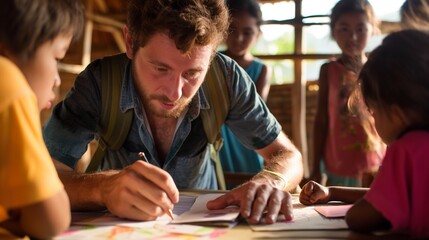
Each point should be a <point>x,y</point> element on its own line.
<point>27,174</point>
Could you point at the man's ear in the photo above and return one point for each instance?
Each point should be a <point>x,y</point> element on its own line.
<point>128,43</point>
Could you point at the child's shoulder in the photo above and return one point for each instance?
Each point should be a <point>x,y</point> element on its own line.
<point>257,63</point>
<point>257,60</point>
<point>12,80</point>
<point>8,69</point>
<point>413,140</point>
<point>333,61</point>
<point>332,65</point>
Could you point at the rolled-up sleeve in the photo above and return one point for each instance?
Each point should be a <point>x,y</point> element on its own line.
<point>249,118</point>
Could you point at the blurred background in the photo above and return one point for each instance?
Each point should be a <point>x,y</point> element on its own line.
<point>296,41</point>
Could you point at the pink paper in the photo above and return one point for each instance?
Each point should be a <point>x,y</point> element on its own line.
<point>333,211</point>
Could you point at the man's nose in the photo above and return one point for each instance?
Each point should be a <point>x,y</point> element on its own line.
<point>174,87</point>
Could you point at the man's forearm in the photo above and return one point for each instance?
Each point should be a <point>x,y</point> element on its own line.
<point>284,170</point>
<point>84,190</point>
<point>282,157</point>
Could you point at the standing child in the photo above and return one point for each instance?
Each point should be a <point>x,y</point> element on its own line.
<point>394,84</point>
<point>246,19</point>
<point>345,144</point>
<point>34,36</point>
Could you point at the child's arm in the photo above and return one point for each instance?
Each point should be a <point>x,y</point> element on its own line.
<point>320,128</point>
<point>263,83</point>
<point>363,217</point>
<point>47,218</point>
<point>41,220</point>
<point>313,193</point>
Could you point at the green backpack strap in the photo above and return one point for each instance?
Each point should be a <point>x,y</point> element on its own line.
<point>216,91</point>
<point>114,124</point>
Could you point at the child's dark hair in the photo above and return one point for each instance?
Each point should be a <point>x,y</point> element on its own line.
<point>397,73</point>
<point>415,14</point>
<point>353,6</point>
<point>249,6</point>
<point>27,24</point>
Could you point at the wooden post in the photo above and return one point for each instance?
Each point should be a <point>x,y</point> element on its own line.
<point>299,131</point>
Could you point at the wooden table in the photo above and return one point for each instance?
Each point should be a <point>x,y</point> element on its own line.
<point>243,231</point>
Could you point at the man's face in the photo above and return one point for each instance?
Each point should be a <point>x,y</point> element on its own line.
<point>165,78</point>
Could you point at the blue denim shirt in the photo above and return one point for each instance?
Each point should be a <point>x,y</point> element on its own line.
<point>74,123</point>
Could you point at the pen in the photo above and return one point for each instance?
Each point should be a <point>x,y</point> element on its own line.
<point>168,212</point>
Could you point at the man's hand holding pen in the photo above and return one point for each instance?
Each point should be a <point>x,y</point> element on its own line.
<point>167,211</point>
<point>140,191</point>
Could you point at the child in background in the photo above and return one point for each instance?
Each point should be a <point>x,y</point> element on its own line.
<point>346,145</point>
<point>246,19</point>
<point>394,84</point>
<point>415,14</point>
<point>34,36</point>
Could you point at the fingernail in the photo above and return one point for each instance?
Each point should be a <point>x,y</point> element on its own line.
<point>257,219</point>
<point>246,214</point>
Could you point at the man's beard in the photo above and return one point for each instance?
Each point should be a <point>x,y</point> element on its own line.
<point>151,103</point>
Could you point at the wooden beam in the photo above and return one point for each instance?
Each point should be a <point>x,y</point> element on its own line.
<point>116,34</point>
<point>105,20</point>
<point>87,42</point>
<point>296,56</point>
<point>101,5</point>
<point>71,68</point>
<point>299,131</point>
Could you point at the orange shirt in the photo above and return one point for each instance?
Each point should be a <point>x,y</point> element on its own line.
<point>27,174</point>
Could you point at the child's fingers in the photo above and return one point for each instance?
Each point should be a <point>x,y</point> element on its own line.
<point>309,188</point>
<point>307,191</point>
<point>310,191</point>
<point>317,195</point>
<point>304,199</point>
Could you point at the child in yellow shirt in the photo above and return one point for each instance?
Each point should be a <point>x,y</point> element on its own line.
<point>34,36</point>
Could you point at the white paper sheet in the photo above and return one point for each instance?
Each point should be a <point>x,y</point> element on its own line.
<point>200,213</point>
<point>108,219</point>
<point>190,209</point>
<point>103,225</point>
<point>305,218</point>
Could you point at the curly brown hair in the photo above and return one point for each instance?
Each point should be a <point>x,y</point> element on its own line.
<point>188,22</point>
